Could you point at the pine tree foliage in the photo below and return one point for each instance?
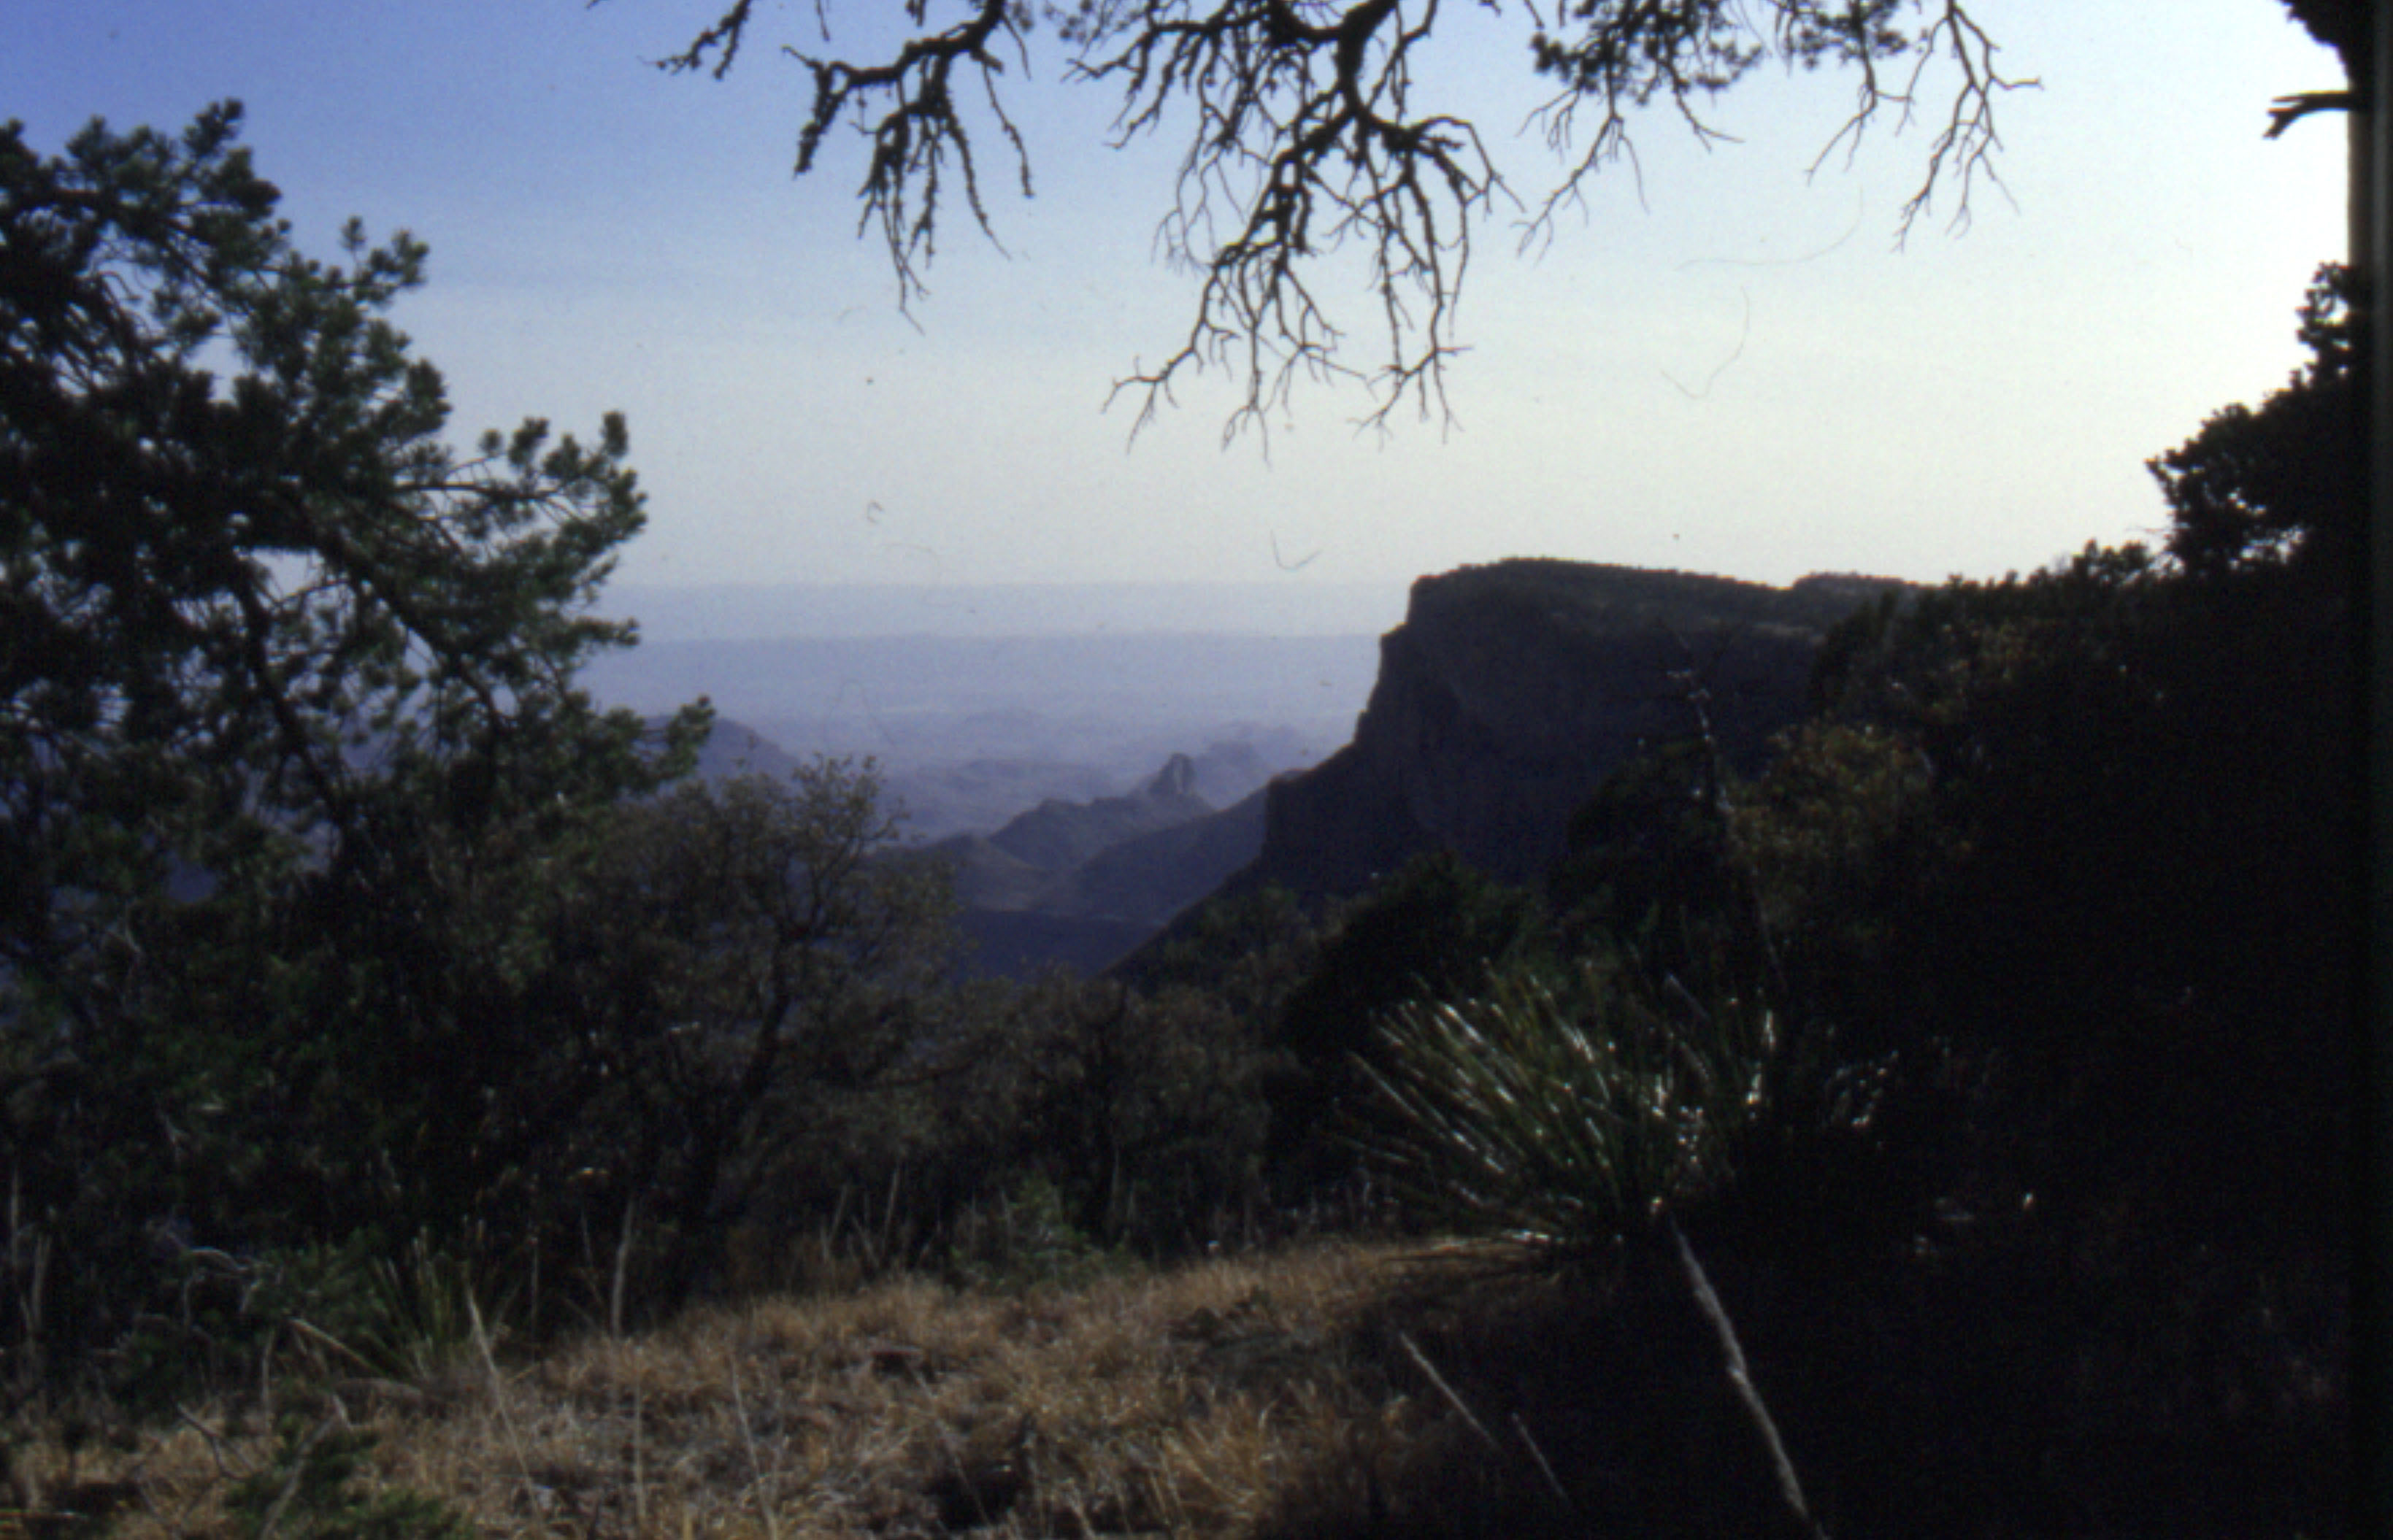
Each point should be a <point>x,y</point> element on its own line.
<point>250,588</point>
<point>288,722</point>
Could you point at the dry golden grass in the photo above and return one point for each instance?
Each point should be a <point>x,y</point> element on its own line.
<point>1234,1397</point>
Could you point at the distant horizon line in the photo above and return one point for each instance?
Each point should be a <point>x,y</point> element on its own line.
<point>771,610</point>
<point>780,611</point>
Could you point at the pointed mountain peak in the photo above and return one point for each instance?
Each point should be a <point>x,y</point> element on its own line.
<point>1177,778</point>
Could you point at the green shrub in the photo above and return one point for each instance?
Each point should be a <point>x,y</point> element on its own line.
<point>309,1492</point>
<point>1564,1119</point>
<point>1026,1237</point>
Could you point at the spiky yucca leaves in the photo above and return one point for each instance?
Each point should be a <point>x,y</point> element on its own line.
<point>1562,1117</point>
<point>425,1309</point>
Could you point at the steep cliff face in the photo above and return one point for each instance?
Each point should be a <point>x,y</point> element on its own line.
<point>1512,691</point>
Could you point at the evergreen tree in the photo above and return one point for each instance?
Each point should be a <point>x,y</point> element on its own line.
<point>287,715</point>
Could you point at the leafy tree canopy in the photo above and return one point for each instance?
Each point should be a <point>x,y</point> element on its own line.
<point>2279,480</point>
<point>250,588</point>
<point>728,954</point>
<point>289,732</point>
<point>1307,138</point>
<point>2342,25</point>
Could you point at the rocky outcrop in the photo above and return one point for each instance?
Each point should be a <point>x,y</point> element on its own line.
<point>1057,835</point>
<point>1502,702</point>
<point>1511,691</point>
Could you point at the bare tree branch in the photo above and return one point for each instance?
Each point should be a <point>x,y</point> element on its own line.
<point>1305,143</point>
<point>1308,166</point>
<point>724,34</point>
<point>906,109</point>
<point>1964,149</point>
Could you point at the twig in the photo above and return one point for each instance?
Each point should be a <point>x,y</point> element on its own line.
<point>1700,1285</point>
<point>323,1338</point>
<point>215,1442</point>
<point>622,1266</point>
<point>1448,1392</point>
<point>1553,1483</point>
<point>888,1220</point>
<point>755,1463</point>
<point>266,1526</point>
<point>2288,110</point>
<point>30,1371</point>
<point>497,1389</point>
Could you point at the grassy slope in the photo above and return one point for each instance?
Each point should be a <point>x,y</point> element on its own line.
<point>1289,1394</point>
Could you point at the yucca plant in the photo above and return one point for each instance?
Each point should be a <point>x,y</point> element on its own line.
<point>1567,1119</point>
<point>421,1312</point>
<point>1559,1116</point>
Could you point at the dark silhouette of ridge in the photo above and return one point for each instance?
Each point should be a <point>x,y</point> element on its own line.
<point>1513,690</point>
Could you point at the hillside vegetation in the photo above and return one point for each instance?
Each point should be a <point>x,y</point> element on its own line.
<point>425,1105</point>
<point>1335,1389</point>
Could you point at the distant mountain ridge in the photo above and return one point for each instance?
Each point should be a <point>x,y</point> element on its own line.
<point>715,612</point>
<point>1056,835</point>
<point>1084,882</point>
<point>1503,701</point>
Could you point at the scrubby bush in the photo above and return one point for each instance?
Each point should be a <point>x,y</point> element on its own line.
<point>1565,1117</point>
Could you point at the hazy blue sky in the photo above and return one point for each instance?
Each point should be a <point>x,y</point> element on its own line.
<point>1740,376</point>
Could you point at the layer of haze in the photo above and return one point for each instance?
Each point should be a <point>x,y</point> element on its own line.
<point>1722,365</point>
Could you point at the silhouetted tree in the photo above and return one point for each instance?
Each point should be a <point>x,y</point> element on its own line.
<point>2286,478</point>
<point>731,955</point>
<point>286,704</point>
<point>2067,885</point>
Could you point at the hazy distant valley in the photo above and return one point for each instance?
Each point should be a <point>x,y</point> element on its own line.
<point>970,731</point>
<point>1086,788</point>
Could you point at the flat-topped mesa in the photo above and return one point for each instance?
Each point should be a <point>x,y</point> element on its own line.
<point>1511,691</point>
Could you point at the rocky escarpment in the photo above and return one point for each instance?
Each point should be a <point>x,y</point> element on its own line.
<point>1511,691</point>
